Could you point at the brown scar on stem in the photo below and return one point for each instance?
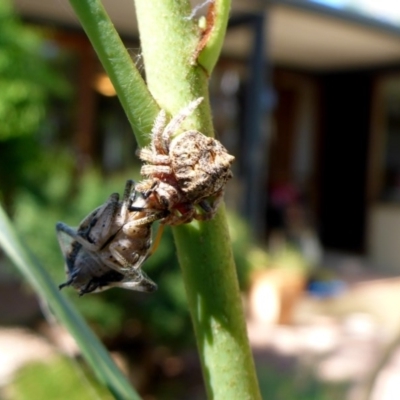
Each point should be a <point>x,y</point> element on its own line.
<point>206,33</point>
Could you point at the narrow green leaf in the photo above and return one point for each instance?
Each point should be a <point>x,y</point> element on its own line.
<point>139,105</point>
<point>92,349</point>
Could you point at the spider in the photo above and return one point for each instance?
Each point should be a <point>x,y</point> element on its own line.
<point>109,246</point>
<point>183,171</point>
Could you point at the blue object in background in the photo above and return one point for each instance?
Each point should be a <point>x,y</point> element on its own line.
<point>324,289</point>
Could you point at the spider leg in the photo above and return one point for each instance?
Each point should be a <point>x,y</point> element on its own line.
<point>206,206</point>
<point>143,204</point>
<point>152,157</point>
<point>175,122</point>
<point>209,209</point>
<point>156,133</point>
<point>205,216</point>
<point>153,187</point>
<point>147,187</point>
<point>146,220</point>
<point>175,219</point>
<point>149,170</point>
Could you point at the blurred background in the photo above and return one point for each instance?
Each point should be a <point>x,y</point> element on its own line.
<point>306,95</point>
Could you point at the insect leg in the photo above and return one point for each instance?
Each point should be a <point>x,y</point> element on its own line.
<point>124,265</point>
<point>61,227</point>
<point>67,283</point>
<point>138,281</point>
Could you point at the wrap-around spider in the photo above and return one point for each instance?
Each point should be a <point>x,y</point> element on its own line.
<point>183,171</point>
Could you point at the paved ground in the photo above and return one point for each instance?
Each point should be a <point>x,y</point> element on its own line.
<point>341,337</point>
<point>19,346</point>
<point>341,351</point>
<point>338,351</point>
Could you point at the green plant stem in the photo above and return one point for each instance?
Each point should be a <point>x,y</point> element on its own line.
<point>92,349</point>
<point>169,39</point>
<point>139,106</point>
<point>214,299</point>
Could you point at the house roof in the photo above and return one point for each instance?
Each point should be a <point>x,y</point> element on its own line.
<point>311,35</point>
<point>299,33</point>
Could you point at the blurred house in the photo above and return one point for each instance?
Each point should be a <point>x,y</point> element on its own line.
<point>306,96</point>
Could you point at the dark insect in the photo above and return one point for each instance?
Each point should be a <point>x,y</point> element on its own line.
<point>109,246</point>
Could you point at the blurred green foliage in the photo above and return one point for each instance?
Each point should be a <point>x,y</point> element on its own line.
<point>28,81</point>
<point>57,378</point>
<point>26,77</point>
<point>65,378</point>
<point>289,257</point>
<point>300,385</point>
<point>41,184</point>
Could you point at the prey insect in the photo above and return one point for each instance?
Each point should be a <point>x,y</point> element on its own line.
<point>185,174</point>
<point>109,246</point>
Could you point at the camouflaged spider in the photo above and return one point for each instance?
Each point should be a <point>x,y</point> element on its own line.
<point>109,246</point>
<point>183,171</point>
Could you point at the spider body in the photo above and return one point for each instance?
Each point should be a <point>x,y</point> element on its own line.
<point>184,171</point>
<point>109,246</point>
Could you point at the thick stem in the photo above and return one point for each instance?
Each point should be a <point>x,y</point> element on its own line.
<point>169,39</point>
<point>212,289</point>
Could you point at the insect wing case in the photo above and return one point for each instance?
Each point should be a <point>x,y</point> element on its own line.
<point>85,271</point>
